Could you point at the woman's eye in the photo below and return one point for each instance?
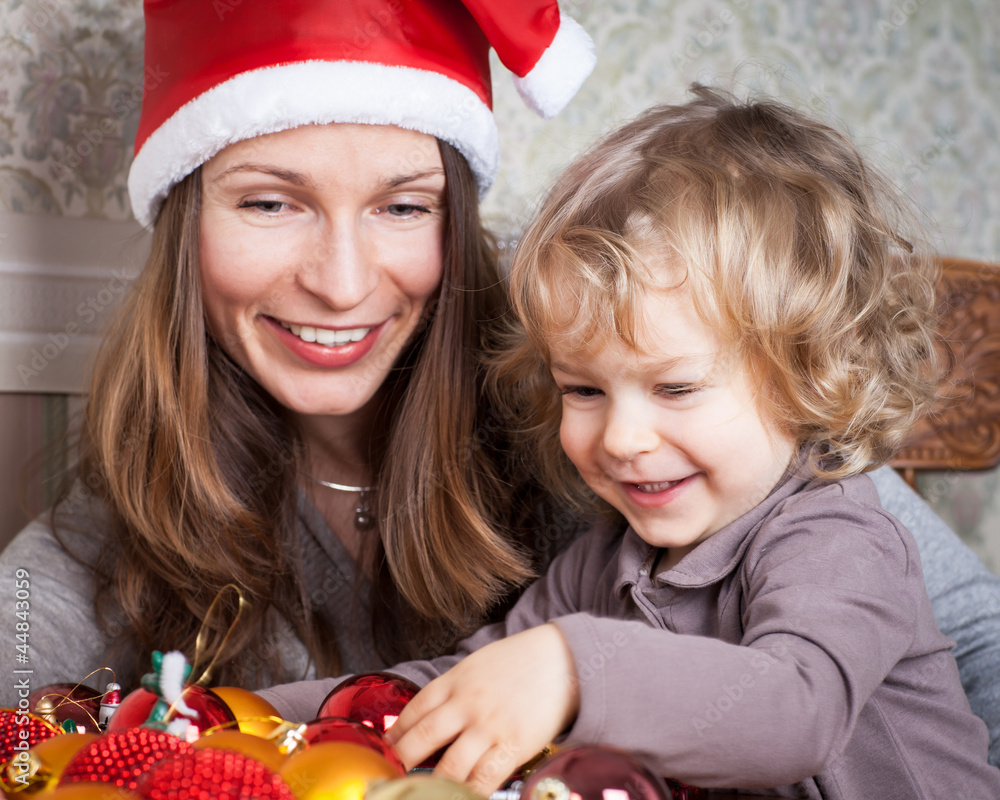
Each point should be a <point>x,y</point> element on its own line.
<point>581,391</point>
<point>405,210</point>
<point>265,206</point>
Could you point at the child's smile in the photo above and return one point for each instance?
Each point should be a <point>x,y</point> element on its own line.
<point>671,436</point>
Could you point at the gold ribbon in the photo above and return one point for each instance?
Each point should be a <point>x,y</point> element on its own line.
<point>201,641</point>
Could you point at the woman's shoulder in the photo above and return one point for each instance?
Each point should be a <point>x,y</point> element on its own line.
<point>75,528</point>
<point>56,590</point>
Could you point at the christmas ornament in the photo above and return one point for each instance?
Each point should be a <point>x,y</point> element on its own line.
<point>592,772</point>
<point>120,757</point>
<point>67,701</point>
<point>138,706</point>
<point>109,704</point>
<point>421,787</point>
<point>210,773</point>
<point>374,699</point>
<point>90,791</point>
<point>252,712</point>
<point>338,729</point>
<point>335,771</point>
<point>262,750</point>
<point>42,767</point>
<point>20,730</point>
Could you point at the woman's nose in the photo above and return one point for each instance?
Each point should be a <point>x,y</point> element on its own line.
<point>340,268</point>
<point>629,432</point>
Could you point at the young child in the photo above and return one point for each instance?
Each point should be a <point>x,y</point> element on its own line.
<point>722,330</point>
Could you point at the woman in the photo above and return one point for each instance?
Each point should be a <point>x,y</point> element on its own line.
<point>356,489</point>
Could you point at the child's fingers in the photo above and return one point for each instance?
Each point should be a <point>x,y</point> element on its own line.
<point>425,701</point>
<point>495,766</point>
<point>428,734</point>
<point>463,756</point>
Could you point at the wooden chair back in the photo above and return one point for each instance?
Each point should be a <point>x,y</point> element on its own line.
<point>964,433</point>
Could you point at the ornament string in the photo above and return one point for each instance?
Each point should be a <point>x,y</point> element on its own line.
<point>201,641</point>
<point>64,699</point>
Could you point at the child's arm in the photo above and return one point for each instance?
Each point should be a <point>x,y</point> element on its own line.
<point>543,600</point>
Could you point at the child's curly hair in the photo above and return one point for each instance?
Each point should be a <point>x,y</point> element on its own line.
<point>790,245</point>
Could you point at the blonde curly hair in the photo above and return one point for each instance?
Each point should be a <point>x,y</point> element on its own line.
<point>790,245</point>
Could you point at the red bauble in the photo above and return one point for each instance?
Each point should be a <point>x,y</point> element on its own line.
<point>122,757</point>
<point>374,699</point>
<point>81,704</point>
<point>219,774</point>
<point>134,709</point>
<point>591,772</point>
<point>338,729</point>
<point>20,730</point>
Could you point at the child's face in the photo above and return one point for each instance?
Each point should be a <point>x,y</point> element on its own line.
<point>672,436</point>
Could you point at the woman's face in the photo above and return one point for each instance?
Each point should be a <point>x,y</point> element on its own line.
<point>320,247</point>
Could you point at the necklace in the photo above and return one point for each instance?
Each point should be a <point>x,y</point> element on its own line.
<point>363,511</point>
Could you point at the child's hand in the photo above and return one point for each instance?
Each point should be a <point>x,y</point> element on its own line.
<point>499,707</point>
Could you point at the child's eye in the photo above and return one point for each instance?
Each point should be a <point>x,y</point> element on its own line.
<point>581,391</point>
<point>676,389</point>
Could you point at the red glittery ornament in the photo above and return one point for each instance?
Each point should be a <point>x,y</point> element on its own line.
<point>374,699</point>
<point>218,774</point>
<point>122,756</point>
<point>19,730</point>
<point>134,709</point>
<point>338,729</point>
<point>592,772</point>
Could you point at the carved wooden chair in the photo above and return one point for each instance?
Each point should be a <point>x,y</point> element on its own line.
<point>964,434</point>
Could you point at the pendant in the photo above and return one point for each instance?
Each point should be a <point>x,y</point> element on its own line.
<point>363,520</point>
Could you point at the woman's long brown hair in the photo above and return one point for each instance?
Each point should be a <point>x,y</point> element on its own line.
<point>179,445</point>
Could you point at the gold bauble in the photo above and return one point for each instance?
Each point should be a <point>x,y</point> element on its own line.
<point>253,713</point>
<point>421,787</point>
<point>262,750</point>
<point>335,771</point>
<point>46,762</point>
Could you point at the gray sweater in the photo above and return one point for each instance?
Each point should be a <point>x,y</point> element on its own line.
<point>794,650</point>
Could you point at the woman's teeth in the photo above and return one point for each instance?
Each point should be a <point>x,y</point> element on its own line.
<point>325,336</point>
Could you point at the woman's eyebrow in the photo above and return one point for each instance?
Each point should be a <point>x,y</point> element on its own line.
<point>399,180</point>
<point>289,176</point>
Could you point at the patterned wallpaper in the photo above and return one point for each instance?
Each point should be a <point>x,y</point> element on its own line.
<point>915,82</point>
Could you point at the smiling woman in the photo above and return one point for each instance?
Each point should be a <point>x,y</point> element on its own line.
<point>290,400</point>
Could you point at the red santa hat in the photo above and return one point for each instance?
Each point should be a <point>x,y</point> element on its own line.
<point>220,71</point>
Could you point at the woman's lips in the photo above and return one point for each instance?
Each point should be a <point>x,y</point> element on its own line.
<point>347,346</point>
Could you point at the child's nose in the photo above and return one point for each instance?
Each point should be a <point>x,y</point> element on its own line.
<point>628,434</point>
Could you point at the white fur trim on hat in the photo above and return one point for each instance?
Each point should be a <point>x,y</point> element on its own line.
<point>560,71</point>
<point>311,93</point>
